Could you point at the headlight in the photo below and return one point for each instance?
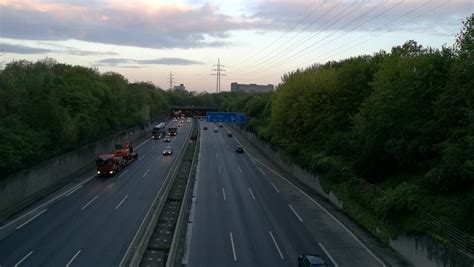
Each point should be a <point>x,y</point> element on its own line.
<point>98,172</point>
<point>111,172</point>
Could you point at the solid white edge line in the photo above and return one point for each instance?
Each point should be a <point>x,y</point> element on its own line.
<point>233,247</point>
<point>320,206</point>
<point>251,193</point>
<point>223,193</point>
<point>329,255</point>
<point>88,203</point>
<point>31,219</point>
<point>46,203</point>
<point>294,211</point>
<point>120,204</point>
<point>73,258</point>
<point>274,187</point>
<point>147,171</point>
<point>123,173</point>
<point>276,245</point>
<point>23,259</point>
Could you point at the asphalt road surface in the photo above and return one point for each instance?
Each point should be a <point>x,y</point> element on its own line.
<point>243,217</point>
<point>93,223</point>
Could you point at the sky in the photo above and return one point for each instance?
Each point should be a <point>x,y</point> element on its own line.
<point>255,41</point>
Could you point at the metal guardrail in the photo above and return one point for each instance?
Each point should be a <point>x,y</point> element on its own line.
<point>455,237</point>
<point>179,224</point>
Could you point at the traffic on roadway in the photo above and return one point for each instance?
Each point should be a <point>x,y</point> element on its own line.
<point>92,223</point>
<point>244,215</point>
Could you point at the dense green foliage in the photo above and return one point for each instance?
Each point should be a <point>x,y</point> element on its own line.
<point>47,108</point>
<point>402,120</point>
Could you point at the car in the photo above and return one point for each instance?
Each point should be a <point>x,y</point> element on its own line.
<point>216,130</point>
<point>229,134</point>
<point>179,125</point>
<point>204,128</point>
<point>311,260</point>
<point>168,151</point>
<point>239,149</point>
<point>166,140</point>
<point>220,125</point>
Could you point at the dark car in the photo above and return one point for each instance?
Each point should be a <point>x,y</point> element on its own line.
<point>239,149</point>
<point>167,151</point>
<point>166,140</point>
<point>229,134</point>
<point>216,130</point>
<point>205,128</point>
<point>311,260</point>
<point>220,125</point>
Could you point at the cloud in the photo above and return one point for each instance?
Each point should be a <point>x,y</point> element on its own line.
<point>19,49</point>
<point>138,23</point>
<point>435,16</point>
<point>151,24</point>
<point>121,62</point>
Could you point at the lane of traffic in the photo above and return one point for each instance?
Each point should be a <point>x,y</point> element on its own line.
<point>45,228</point>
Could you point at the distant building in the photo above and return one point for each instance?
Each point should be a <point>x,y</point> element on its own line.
<point>180,87</point>
<point>251,88</point>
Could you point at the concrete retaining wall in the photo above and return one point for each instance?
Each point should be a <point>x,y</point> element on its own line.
<point>20,189</point>
<point>420,251</point>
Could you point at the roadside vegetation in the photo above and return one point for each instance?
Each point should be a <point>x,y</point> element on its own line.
<point>47,108</point>
<point>392,133</point>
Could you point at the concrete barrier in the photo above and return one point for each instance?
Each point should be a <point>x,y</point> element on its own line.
<point>23,188</point>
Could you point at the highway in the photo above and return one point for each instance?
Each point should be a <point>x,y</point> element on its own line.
<point>92,224</point>
<point>246,216</point>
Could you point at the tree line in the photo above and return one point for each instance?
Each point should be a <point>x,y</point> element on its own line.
<point>47,108</point>
<point>402,119</point>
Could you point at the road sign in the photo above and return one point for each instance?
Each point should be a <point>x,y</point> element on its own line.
<point>238,117</point>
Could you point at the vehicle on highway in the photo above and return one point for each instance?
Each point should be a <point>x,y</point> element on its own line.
<point>220,125</point>
<point>188,120</point>
<point>172,131</point>
<point>216,130</point>
<point>168,151</point>
<point>229,134</point>
<point>179,125</point>
<point>204,128</point>
<point>158,131</point>
<point>239,149</point>
<point>166,140</point>
<point>110,164</point>
<point>311,260</point>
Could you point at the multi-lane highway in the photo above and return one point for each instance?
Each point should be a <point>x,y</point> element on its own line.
<point>244,215</point>
<point>93,223</point>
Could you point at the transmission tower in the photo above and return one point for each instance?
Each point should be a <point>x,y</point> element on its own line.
<point>218,75</point>
<point>171,79</point>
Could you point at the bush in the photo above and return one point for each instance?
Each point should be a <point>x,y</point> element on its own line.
<point>399,202</point>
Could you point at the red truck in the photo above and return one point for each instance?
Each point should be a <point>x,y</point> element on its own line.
<point>110,164</point>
